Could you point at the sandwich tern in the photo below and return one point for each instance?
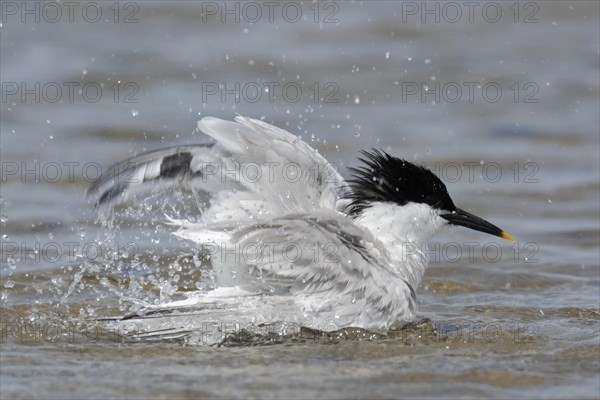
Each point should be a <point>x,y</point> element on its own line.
<point>355,248</point>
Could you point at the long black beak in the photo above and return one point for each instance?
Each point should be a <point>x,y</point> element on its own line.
<point>468,220</point>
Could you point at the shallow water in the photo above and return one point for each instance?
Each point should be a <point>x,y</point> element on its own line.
<point>506,320</point>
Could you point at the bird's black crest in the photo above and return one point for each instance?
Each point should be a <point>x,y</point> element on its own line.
<point>384,178</point>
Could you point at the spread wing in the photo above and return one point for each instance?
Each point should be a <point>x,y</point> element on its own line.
<point>174,165</point>
<point>309,266</point>
<point>308,256</point>
<point>246,163</point>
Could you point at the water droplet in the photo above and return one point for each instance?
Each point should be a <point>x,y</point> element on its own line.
<point>135,112</point>
<point>9,284</point>
<point>387,54</point>
<point>356,99</point>
<point>428,61</point>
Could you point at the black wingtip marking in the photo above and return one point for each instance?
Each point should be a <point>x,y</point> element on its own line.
<point>412,301</point>
<point>176,164</point>
<point>113,192</point>
<point>170,167</point>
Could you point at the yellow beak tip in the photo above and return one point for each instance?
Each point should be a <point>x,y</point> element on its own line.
<point>506,236</point>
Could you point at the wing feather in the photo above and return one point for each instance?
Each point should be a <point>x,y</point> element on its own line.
<point>292,175</point>
<point>182,162</point>
<point>310,257</point>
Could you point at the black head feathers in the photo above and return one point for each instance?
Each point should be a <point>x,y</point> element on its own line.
<point>384,178</point>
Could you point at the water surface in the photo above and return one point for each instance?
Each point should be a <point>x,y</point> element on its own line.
<point>521,322</point>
